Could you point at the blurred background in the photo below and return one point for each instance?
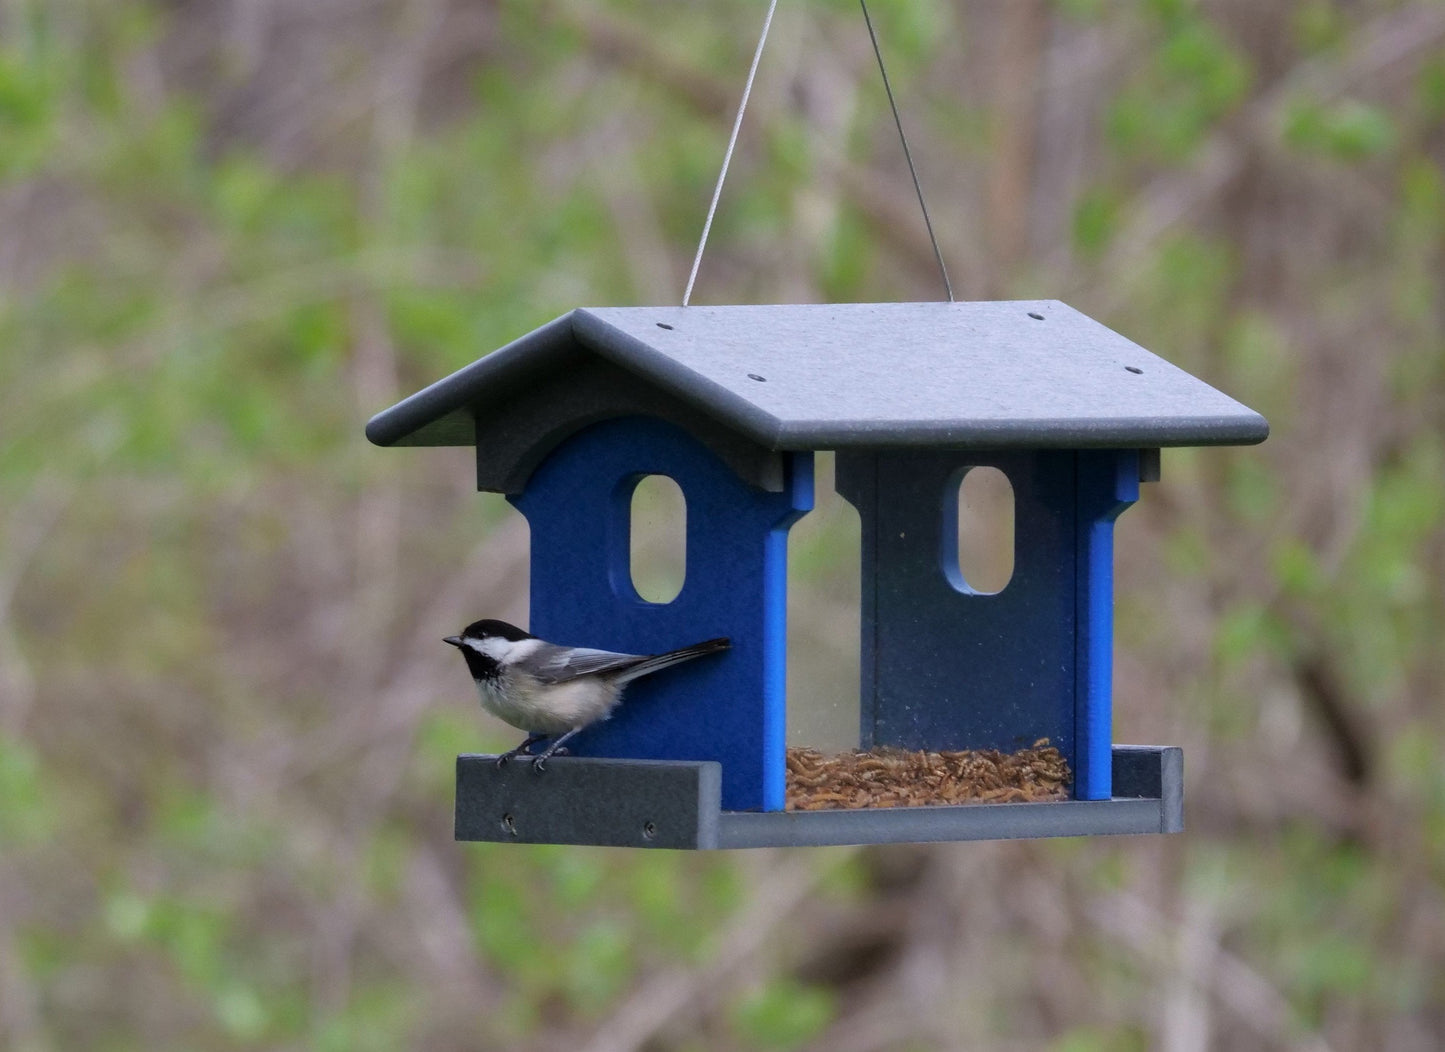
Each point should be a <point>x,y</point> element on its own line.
<point>232,230</point>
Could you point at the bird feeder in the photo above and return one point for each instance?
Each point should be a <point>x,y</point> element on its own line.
<point>731,403</point>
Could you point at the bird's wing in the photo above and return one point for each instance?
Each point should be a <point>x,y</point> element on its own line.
<point>554,664</point>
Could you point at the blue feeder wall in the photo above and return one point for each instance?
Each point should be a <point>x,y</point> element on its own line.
<point>944,667</point>
<point>730,708</point>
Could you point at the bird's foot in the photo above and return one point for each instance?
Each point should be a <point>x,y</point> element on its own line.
<point>521,750</point>
<point>540,762</point>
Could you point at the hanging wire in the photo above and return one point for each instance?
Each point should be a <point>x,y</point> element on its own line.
<point>908,156</point>
<point>728,156</point>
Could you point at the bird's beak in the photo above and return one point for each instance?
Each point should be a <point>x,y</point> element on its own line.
<point>455,641</point>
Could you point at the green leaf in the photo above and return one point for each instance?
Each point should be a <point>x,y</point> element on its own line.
<point>1347,131</point>
<point>599,966</point>
<point>241,1012</point>
<point>1192,80</point>
<point>784,1014</point>
<point>1096,219</point>
<point>1431,89</point>
<point>28,109</point>
<point>1090,1038</point>
<point>26,816</point>
<point>127,916</point>
<point>1319,25</point>
<point>1297,567</point>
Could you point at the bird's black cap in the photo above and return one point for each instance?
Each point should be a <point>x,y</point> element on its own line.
<point>490,629</point>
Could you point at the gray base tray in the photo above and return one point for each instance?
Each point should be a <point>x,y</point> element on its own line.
<point>675,804</point>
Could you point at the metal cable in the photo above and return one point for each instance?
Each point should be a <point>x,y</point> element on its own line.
<point>728,156</point>
<point>908,156</point>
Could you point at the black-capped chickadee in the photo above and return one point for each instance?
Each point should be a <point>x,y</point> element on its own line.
<point>552,691</point>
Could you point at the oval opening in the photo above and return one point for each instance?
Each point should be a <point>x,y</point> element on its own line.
<point>658,539</point>
<point>978,531</point>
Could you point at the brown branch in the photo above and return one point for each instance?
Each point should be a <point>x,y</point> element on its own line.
<point>1323,693</point>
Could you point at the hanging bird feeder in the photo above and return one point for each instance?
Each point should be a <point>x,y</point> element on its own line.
<point>731,403</point>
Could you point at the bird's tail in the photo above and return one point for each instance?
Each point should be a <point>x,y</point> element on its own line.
<point>673,657</point>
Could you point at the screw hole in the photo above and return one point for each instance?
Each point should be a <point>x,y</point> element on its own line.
<point>509,825</point>
<point>759,379</point>
<point>1134,369</point>
<point>663,325</point>
<point>1036,317</point>
<point>648,830</point>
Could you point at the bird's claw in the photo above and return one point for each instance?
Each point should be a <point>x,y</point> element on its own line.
<point>521,750</point>
<point>540,763</point>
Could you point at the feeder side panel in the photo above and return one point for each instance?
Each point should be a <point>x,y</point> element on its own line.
<point>729,707</point>
<point>946,668</point>
<point>1108,484</point>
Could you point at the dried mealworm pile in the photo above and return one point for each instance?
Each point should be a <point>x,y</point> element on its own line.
<point>898,778</point>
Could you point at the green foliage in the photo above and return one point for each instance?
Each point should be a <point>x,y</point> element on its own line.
<point>843,261</point>
<point>1432,90</point>
<point>1096,219</point>
<point>1188,83</point>
<point>1082,10</point>
<point>1320,26</point>
<point>1346,131</point>
<point>783,1014</point>
<point>27,815</point>
<point>1099,1039</point>
<point>599,967</point>
<point>27,114</point>
<point>1419,229</point>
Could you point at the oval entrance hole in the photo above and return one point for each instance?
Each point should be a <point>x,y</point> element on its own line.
<point>978,531</point>
<point>658,539</point>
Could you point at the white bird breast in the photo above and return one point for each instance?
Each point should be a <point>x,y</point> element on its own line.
<point>529,705</point>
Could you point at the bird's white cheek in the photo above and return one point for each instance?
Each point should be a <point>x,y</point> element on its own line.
<point>504,650</point>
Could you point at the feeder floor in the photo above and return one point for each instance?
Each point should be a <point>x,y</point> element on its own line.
<point>890,777</point>
<point>677,804</point>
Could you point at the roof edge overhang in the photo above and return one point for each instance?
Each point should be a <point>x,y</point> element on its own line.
<point>517,403</point>
<point>529,358</point>
<point>523,400</point>
<point>1060,433</point>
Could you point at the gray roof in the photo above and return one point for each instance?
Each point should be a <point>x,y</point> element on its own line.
<point>965,375</point>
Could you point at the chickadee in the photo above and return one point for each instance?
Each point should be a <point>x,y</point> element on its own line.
<point>552,691</point>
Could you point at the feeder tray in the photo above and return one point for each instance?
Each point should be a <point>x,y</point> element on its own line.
<point>677,804</point>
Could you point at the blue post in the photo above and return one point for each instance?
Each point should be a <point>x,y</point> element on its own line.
<point>730,707</point>
<point>1108,482</point>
